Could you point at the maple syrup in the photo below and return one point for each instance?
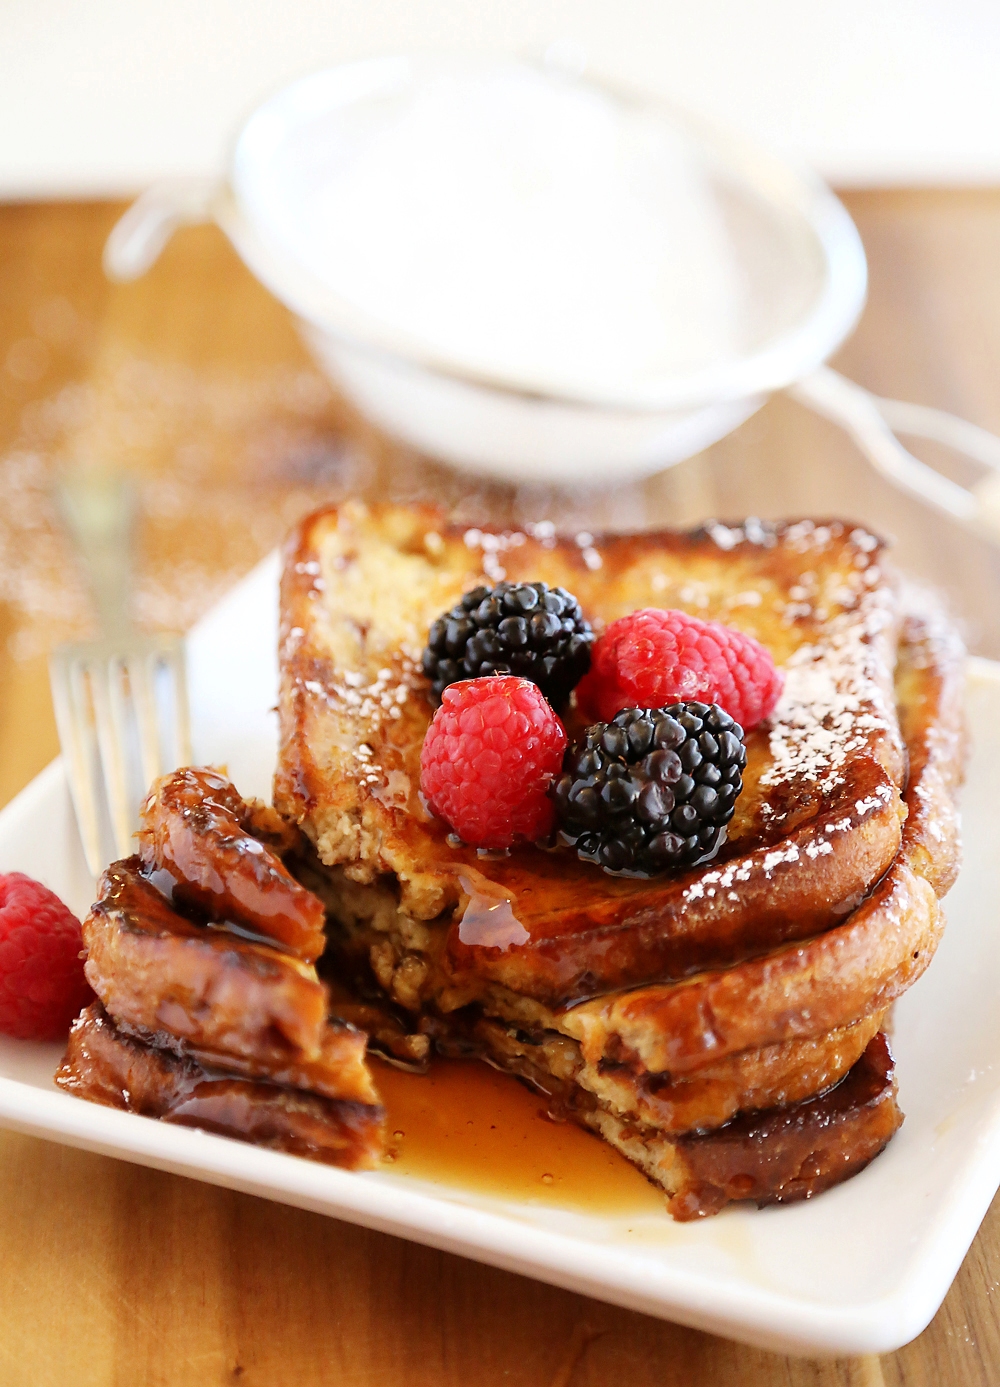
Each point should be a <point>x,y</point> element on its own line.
<point>464,1124</point>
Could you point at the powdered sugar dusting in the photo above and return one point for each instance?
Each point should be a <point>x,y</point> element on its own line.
<point>833,702</point>
<point>779,855</point>
<point>368,704</point>
<point>493,546</point>
<point>721,877</point>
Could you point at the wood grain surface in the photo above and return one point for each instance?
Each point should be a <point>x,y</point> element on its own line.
<point>194,381</point>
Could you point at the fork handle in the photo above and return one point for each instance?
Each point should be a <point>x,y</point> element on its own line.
<point>99,512</point>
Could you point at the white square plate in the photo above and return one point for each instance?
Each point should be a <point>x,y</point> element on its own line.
<point>861,1269</point>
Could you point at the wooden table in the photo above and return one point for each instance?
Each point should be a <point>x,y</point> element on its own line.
<point>195,381</point>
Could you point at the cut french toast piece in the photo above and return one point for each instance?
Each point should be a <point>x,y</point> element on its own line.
<point>208,1014</point>
<point>154,969</point>
<point>220,855</point>
<point>339,1070</point>
<point>819,819</point>
<point>108,1066</point>
<point>799,1142</point>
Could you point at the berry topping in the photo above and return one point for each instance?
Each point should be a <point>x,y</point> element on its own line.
<point>653,788</point>
<point>488,759</point>
<point>654,657</point>
<point>527,629</point>
<point>42,986</point>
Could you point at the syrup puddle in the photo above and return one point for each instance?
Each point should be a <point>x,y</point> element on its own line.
<point>465,1125</point>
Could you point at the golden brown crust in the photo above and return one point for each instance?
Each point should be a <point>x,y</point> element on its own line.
<point>339,1070</point>
<point>774,1076</point>
<point>211,989</point>
<point>847,973</point>
<point>218,852</point>
<point>799,991</point>
<point>106,1066</point>
<point>794,1153</point>
<point>930,682</point>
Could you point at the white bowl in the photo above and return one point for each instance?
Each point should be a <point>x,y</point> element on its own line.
<point>791,270</point>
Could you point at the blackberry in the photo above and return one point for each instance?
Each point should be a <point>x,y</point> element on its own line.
<point>525,629</point>
<point>653,789</point>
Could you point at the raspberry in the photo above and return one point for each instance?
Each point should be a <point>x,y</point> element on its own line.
<point>42,986</point>
<point>653,658</point>
<point>491,752</point>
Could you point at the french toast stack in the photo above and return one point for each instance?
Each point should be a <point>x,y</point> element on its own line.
<point>201,952</point>
<point>724,1025</point>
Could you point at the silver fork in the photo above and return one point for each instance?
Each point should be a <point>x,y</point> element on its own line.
<point>120,701</point>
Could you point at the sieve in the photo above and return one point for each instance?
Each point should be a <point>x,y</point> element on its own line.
<point>304,195</point>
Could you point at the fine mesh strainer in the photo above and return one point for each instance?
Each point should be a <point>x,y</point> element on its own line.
<point>532,275</point>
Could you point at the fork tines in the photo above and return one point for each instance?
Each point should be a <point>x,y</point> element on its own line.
<point>122,715</point>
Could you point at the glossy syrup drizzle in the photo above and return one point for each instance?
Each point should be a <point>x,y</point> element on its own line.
<point>488,920</point>
<point>464,1124</point>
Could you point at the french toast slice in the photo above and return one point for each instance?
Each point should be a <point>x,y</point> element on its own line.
<point>657,1012</point>
<point>106,1065</point>
<point>819,819</point>
<point>208,1014</point>
<point>159,970</point>
<point>779,1156</point>
<point>211,846</point>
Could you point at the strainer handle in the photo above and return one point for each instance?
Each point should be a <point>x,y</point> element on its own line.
<point>873,424</point>
<point>141,233</point>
